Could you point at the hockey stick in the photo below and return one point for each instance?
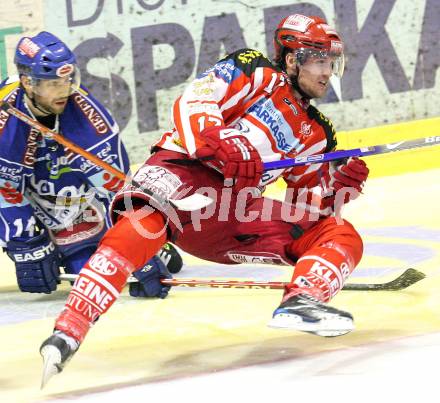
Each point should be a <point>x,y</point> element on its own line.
<point>268,166</point>
<point>355,152</point>
<point>407,278</point>
<point>195,201</point>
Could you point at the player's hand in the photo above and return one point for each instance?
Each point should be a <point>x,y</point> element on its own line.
<point>149,277</point>
<point>37,264</point>
<point>349,177</point>
<point>231,153</point>
<point>171,258</point>
<point>350,174</point>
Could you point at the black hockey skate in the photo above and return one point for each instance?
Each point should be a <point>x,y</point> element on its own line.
<point>56,351</point>
<point>170,258</point>
<point>305,313</point>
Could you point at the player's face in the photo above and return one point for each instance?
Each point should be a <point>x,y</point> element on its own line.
<point>52,95</point>
<point>313,71</point>
<point>314,76</point>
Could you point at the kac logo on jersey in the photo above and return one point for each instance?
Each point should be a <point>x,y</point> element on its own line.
<point>306,129</point>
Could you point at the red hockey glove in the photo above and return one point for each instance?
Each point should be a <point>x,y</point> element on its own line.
<point>231,153</point>
<point>352,173</point>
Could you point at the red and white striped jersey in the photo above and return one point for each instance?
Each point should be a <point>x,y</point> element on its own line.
<point>247,92</point>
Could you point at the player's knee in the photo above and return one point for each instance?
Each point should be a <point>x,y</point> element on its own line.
<point>357,246</point>
<point>350,240</point>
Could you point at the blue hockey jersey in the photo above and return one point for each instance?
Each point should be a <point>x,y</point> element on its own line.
<point>41,182</point>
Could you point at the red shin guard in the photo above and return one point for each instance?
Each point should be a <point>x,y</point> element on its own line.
<point>105,274</point>
<point>321,272</point>
<point>95,290</point>
<point>137,237</point>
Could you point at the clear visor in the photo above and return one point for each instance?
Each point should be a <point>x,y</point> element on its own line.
<point>321,61</point>
<point>57,87</point>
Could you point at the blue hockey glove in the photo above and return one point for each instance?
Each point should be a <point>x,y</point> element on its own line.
<point>149,277</point>
<point>171,258</point>
<point>36,263</point>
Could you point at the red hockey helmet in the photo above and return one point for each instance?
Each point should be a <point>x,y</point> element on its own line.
<point>308,35</point>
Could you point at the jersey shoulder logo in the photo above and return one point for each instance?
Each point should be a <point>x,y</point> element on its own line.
<point>249,55</point>
<point>247,60</point>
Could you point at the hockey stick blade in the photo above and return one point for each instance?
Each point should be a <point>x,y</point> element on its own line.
<point>407,278</point>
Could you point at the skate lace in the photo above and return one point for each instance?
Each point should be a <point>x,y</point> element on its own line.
<point>310,298</point>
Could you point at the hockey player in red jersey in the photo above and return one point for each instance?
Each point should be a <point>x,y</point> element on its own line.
<point>243,111</point>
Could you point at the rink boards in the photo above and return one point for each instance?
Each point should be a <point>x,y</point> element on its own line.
<point>205,331</point>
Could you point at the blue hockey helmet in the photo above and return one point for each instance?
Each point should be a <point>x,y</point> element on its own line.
<point>44,56</point>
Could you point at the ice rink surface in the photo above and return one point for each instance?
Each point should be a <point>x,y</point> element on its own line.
<point>212,345</point>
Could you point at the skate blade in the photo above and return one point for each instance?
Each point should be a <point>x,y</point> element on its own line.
<point>51,363</point>
<point>328,326</point>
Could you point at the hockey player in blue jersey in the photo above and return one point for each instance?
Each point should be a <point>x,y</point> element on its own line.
<point>53,202</point>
